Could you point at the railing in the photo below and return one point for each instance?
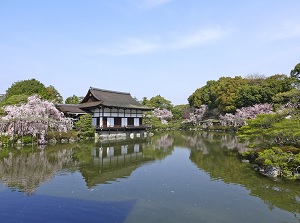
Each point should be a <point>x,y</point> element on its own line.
<point>121,128</point>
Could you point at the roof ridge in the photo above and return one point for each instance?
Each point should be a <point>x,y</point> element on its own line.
<point>110,91</point>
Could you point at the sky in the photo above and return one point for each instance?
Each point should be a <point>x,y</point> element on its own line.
<point>145,47</point>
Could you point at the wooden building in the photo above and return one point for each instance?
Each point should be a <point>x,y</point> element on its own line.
<point>71,110</point>
<point>111,110</point>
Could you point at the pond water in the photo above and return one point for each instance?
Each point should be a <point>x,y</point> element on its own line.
<point>171,177</point>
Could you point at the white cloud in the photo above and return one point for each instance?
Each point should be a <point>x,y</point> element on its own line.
<point>133,46</point>
<point>155,3</point>
<point>286,30</point>
<point>198,38</point>
<point>137,46</point>
<point>147,4</point>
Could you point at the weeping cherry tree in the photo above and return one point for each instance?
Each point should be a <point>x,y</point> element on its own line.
<point>34,118</point>
<point>197,115</point>
<point>163,115</point>
<point>241,115</point>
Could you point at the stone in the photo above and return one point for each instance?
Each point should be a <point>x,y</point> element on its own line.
<point>72,140</point>
<point>64,141</point>
<point>245,161</point>
<point>271,171</point>
<point>52,141</point>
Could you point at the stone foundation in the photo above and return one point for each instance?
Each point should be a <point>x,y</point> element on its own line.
<point>107,136</point>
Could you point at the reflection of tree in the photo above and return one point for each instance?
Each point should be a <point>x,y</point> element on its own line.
<point>163,141</point>
<point>221,162</point>
<point>27,170</point>
<point>201,140</point>
<point>196,142</point>
<point>160,147</point>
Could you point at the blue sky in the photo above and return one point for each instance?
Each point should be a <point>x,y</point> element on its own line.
<point>145,47</point>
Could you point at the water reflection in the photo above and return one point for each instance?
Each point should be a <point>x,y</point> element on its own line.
<point>215,154</point>
<point>160,146</point>
<point>114,160</point>
<point>201,140</point>
<point>111,161</point>
<point>25,170</point>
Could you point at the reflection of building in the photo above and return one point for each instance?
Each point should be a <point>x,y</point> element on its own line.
<point>111,111</point>
<point>113,161</point>
<point>117,153</point>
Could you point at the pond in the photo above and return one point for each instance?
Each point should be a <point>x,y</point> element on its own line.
<point>170,177</point>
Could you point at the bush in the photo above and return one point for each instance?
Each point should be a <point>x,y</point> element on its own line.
<point>27,139</point>
<point>84,126</point>
<point>280,157</point>
<point>62,135</point>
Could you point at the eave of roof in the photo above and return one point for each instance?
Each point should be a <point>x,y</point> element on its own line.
<point>89,104</point>
<point>70,108</point>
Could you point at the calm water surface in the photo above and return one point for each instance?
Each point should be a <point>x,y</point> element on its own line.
<point>174,177</point>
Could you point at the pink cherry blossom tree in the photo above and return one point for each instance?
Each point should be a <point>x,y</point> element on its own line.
<point>34,118</point>
<point>196,115</point>
<point>163,115</point>
<point>242,114</point>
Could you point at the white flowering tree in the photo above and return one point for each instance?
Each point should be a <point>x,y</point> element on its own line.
<point>34,118</point>
<point>241,115</point>
<point>196,115</point>
<point>163,115</point>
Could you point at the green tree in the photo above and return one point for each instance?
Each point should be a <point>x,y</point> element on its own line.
<point>158,102</point>
<point>29,88</point>
<point>15,100</point>
<point>292,96</point>
<point>144,101</point>
<point>279,83</point>
<point>227,94</point>
<point>204,95</point>
<point>220,94</point>
<point>26,87</point>
<point>51,94</point>
<point>295,73</point>
<point>178,111</point>
<point>72,100</point>
<point>84,126</point>
<point>248,95</point>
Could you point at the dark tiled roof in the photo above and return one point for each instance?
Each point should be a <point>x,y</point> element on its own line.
<point>89,104</point>
<point>70,108</point>
<point>113,99</point>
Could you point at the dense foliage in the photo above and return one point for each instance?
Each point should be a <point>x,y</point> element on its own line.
<point>23,89</point>
<point>228,94</point>
<point>73,100</point>
<point>295,73</point>
<point>84,126</point>
<point>276,140</point>
<point>157,102</point>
